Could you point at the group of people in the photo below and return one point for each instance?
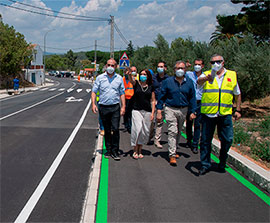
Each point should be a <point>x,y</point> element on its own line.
<point>203,99</point>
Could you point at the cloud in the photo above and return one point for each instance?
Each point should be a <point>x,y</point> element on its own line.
<point>172,19</point>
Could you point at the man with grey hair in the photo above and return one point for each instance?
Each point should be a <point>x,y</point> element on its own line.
<point>177,94</point>
<point>219,87</point>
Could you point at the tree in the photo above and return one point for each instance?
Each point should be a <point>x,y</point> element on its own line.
<point>130,49</point>
<point>253,18</point>
<point>70,59</point>
<point>15,52</point>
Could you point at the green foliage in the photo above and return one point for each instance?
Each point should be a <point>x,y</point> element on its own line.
<point>240,136</point>
<point>15,52</point>
<point>253,18</point>
<point>130,49</point>
<point>261,149</point>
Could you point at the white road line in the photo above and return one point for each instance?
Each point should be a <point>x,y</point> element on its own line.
<point>79,90</point>
<point>52,89</point>
<point>31,203</point>
<point>61,89</point>
<point>24,109</point>
<point>88,90</point>
<point>44,89</point>
<point>70,89</point>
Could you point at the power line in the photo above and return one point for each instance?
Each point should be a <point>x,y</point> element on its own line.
<point>120,34</point>
<point>89,17</point>
<point>40,13</point>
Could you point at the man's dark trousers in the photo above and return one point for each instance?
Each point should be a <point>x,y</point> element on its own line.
<point>197,127</point>
<point>110,116</point>
<point>225,135</point>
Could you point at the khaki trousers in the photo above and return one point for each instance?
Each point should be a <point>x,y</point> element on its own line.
<point>175,118</point>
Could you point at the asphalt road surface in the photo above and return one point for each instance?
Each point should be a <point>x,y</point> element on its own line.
<point>47,143</point>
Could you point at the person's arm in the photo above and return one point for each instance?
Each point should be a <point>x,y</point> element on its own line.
<point>161,100</point>
<point>237,113</point>
<point>93,99</point>
<point>123,104</point>
<point>131,79</point>
<point>153,101</point>
<point>193,103</point>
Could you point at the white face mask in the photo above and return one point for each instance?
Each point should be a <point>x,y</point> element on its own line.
<point>110,70</point>
<point>133,73</point>
<point>197,68</point>
<point>180,73</point>
<point>216,67</point>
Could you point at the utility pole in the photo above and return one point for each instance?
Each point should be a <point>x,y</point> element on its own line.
<point>112,36</point>
<point>95,57</point>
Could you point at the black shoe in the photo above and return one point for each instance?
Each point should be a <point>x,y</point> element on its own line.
<point>129,131</point>
<point>203,171</point>
<point>115,156</point>
<point>221,168</point>
<point>188,145</point>
<point>107,154</point>
<point>194,150</point>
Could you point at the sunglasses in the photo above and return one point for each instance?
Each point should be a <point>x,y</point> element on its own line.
<point>216,61</point>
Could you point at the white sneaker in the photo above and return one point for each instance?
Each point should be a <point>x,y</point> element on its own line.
<point>158,145</point>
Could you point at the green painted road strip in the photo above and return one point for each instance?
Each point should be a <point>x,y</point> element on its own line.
<point>102,205</point>
<point>241,179</point>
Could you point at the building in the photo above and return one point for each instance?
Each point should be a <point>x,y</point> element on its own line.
<point>35,71</point>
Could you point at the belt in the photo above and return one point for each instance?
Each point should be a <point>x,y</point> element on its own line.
<point>107,106</point>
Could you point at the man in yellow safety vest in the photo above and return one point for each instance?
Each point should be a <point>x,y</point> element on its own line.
<point>219,87</point>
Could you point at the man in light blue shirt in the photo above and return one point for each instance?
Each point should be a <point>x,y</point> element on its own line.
<point>193,140</point>
<point>111,91</point>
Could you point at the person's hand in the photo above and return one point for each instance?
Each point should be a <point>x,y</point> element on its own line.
<point>122,111</point>
<point>237,115</point>
<point>94,108</point>
<point>152,117</point>
<point>192,116</point>
<point>159,116</point>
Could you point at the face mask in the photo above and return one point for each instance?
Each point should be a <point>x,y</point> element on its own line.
<point>180,73</point>
<point>110,70</point>
<point>160,70</point>
<point>143,78</point>
<point>216,66</point>
<point>133,73</point>
<point>197,68</point>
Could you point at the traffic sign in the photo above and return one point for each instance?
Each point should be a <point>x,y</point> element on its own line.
<point>124,61</point>
<point>124,56</point>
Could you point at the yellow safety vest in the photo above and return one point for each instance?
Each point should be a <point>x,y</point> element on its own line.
<point>97,98</point>
<point>215,99</point>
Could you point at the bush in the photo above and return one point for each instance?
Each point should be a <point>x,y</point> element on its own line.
<point>261,149</point>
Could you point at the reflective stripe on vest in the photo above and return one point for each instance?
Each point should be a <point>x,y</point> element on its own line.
<point>129,92</point>
<point>215,99</point>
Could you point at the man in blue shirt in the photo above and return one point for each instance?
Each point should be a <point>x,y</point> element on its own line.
<point>157,82</point>
<point>111,91</point>
<point>198,66</point>
<point>177,94</point>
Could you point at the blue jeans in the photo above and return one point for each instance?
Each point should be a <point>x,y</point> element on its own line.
<point>225,135</point>
<point>197,127</point>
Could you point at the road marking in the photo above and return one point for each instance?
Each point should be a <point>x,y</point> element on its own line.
<point>79,90</point>
<point>44,89</point>
<point>88,90</point>
<point>24,109</point>
<point>72,99</point>
<point>69,90</point>
<point>61,89</point>
<point>52,89</point>
<point>31,203</point>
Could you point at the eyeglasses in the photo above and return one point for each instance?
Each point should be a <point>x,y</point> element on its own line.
<point>216,61</point>
<point>183,68</point>
<point>110,65</point>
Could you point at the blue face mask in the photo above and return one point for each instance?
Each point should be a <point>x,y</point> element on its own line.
<point>143,78</point>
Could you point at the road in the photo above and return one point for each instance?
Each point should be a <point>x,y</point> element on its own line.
<point>47,148</point>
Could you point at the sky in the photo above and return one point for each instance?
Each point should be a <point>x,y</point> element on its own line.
<point>139,21</point>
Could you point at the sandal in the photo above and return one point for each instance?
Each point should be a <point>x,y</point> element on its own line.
<point>140,156</point>
<point>135,155</point>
